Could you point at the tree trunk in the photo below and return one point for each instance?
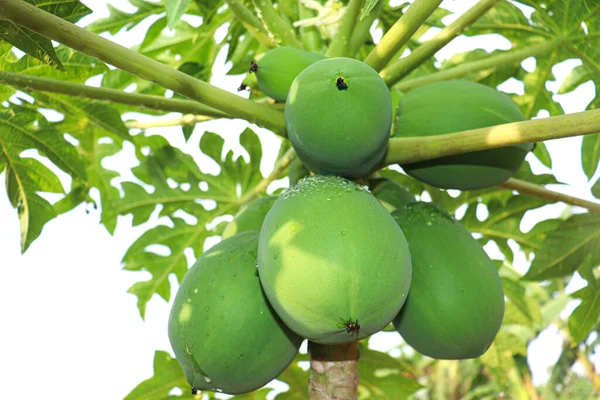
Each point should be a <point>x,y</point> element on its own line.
<point>333,371</point>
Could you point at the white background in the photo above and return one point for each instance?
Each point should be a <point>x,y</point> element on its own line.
<point>68,328</point>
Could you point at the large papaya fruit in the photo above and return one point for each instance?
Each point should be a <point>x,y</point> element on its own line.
<point>278,68</point>
<point>332,261</point>
<point>297,171</point>
<point>390,194</point>
<point>250,217</point>
<point>456,302</point>
<point>225,335</point>
<point>446,107</point>
<point>338,116</point>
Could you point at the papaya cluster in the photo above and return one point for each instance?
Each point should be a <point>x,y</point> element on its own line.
<point>341,254</point>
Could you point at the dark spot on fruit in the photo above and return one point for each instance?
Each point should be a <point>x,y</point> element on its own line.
<point>341,85</point>
<point>353,327</point>
<point>253,67</point>
<point>194,391</point>
<point>243,86</point>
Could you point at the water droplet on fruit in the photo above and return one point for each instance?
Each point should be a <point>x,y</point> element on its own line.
<point>207,308</point>
<point>275,256</point>
<point>237,359</point>
<point>188,300</point>
<point>343,233</point>
<point>196,291</point>
<point>242,355</point>
<point>428,223</point>
<point>207,379</point>
<point>256,263</point>
<point>223,316</point>
<point>222,298</point>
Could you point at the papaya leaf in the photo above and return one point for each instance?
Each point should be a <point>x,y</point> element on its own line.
<point>118,19</point>
<point>596,189</point>
<point>367,7</point>
<point>590,154</point>
<point>35,44</point>
<point>552,309</point>
<point>562,368</point>
<point>515,292</point>
<point>565,249</point>
<point>175,9</point>
<point>585,317</point>
<point>167,376</point>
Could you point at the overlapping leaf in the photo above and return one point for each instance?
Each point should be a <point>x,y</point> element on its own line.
<point>119,19</point>
<point>167,376</point>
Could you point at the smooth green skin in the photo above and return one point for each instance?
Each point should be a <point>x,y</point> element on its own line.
<point>328,250</point>
<point>339,132</point>
<point>250,217</point>
<point>456,302</point>
<point>224,333</point>
<point>278,68</point>
<point>454,106</point>
<point>297,171</point>
<point>390,194</point>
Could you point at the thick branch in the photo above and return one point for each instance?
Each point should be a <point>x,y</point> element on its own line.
<point>250,22</point>
<point>341,41</point>
<point>543,193</point>
<point>311,38</point>
<point>275,25</point>
<point>333,371</point>
<point>399,69</point>
<point>57,29</point>
<point>509,57</point>
<point>414,149</point>
<point>29,83</point>
<point>401,32</point>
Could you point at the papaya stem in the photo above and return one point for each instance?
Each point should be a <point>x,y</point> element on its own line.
<point>509,57</point>
<point>363,29</point>
<point>280,166</point>
<point>186,120</point>
<point>250,22</point>
<point>29,83</point>
<point>401,32</point>
<point>404,66</point>
<point>340,43</point>
<point>311,38</point>
<point>549,195</point>
<point>280,33</point>
<point>333,371</point>
<point>589,368</point>
<point>55,28</point>
<point>413,149</point>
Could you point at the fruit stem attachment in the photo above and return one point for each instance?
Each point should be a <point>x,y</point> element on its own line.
<point>404,66</point>
<point>549,195</point>
<point>55,28</point>
<point>413,149</point>
<point>29,83</point>
<point>280,33</point>
<point>486,64</point>
<point>401,32</point>
<point>250,22</point>
<point>340,43</point>
<point>280,166</point>
<point>333,371</point>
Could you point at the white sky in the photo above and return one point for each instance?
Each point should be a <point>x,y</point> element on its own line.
<point>69,330</point>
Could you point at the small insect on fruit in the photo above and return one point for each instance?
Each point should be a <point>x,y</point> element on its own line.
<point>253,67</point>
<point>341,85</point>
<point>353,327</point>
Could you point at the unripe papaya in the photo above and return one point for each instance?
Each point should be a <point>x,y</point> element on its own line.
<point>332,261</point>
<point>250,217</point>
<point>297,171</point>
<point>454,106</point>
<point>390,194</point>
<point>338,116</point>
<point>278,68</point>
<point>225,334</point>
<point>456,302</point>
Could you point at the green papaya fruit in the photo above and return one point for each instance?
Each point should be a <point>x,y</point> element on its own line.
<point>338,116</point>
<point>278,68</point>
<point>447,107</point>
<point>250,217</point>
<point>297,171</point>
<point>456,303</point>
<point>390,194</point>
<point>223,331</point>
<point>332,261</point>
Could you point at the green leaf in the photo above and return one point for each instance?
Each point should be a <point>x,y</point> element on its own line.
<point>381,376</point>
<point>585,317</point>
<point>542,154</point>
<point>367,7</point>
<point>167,376</point>
<point>175,9</point>
<point>586,270</point>
<point>596,189</point>
<point>35,44</point>
<point>562,368</point>
<point>590,154</point>
<point>565,249</point>
<point>118,19</point>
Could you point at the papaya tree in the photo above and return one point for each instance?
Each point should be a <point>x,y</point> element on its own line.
<point>430,181</point>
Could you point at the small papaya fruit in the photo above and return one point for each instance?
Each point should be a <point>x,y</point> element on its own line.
<point>226,337</point>
<point>278,68</point>
<point>297,171</point>
<point>250,217</point>
<point>332,261</point>
<point>454,106</point>
<point>338,116</point>
<point>456,303</point>
<point>390,194</point>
